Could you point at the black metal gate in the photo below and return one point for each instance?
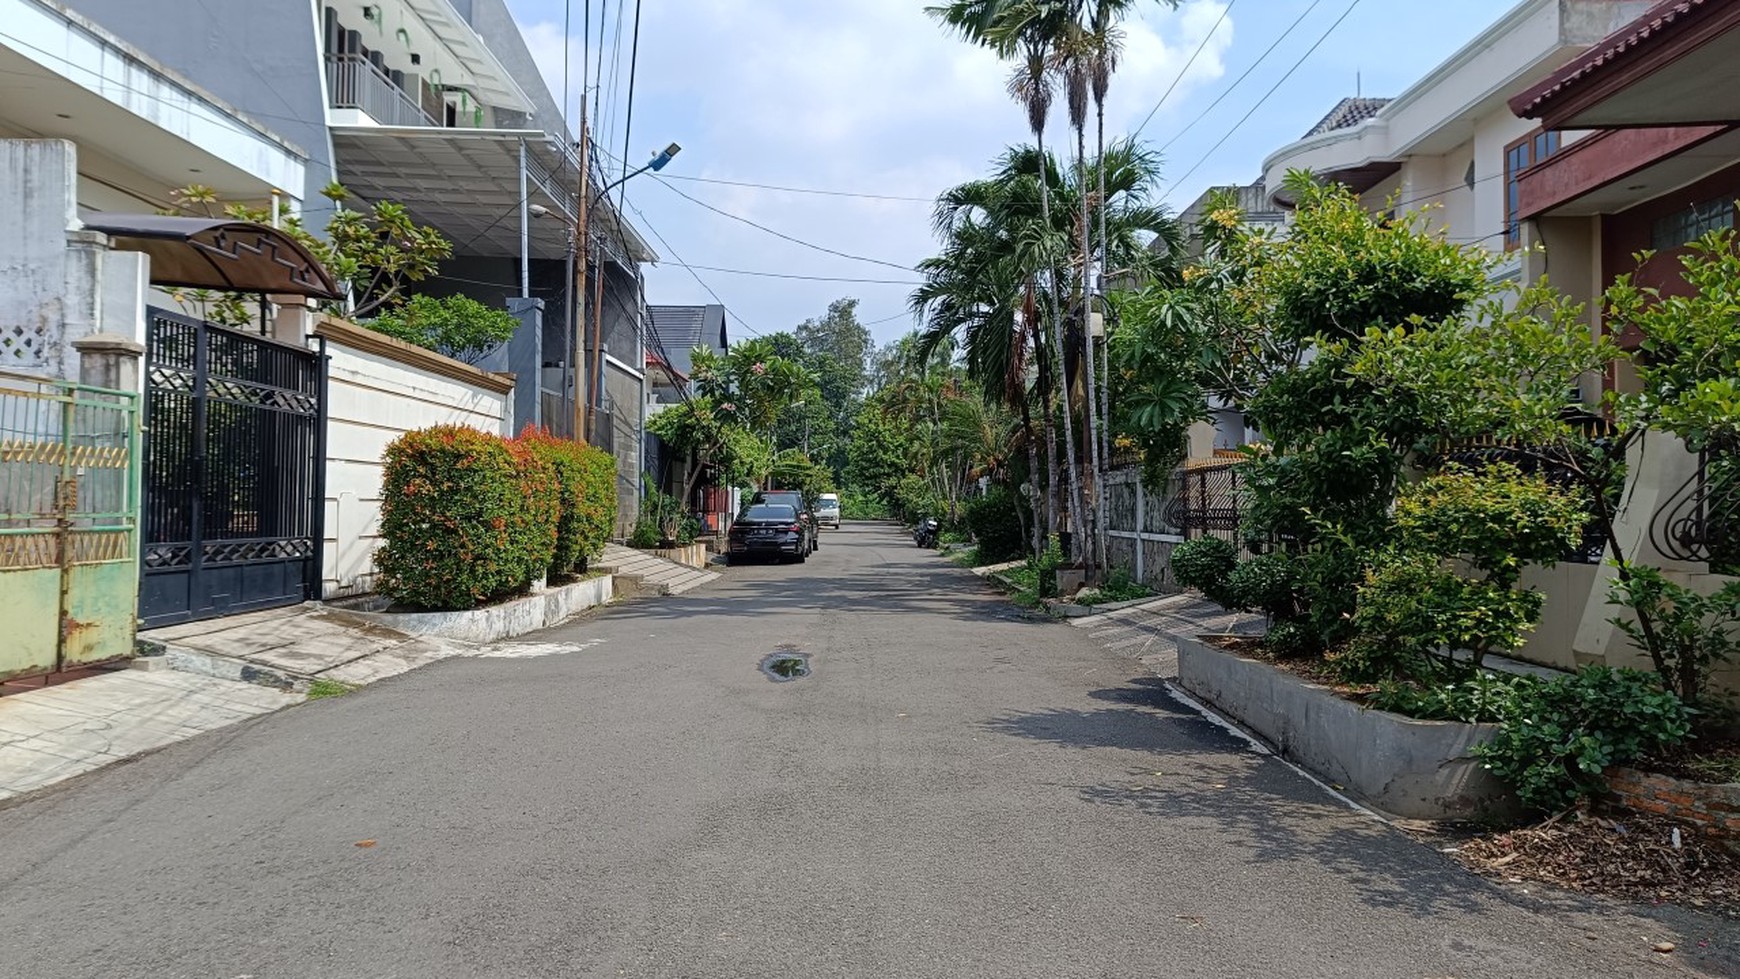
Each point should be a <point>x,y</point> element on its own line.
<point>234,445</point>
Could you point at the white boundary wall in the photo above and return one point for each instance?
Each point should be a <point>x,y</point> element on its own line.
<point>378,389</point>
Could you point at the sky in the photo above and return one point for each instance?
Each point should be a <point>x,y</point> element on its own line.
<point>873,103</point>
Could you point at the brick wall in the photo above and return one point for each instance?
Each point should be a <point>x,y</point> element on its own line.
<point>1714,809</point>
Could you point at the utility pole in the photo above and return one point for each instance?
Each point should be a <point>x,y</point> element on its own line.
<point>583,251</point>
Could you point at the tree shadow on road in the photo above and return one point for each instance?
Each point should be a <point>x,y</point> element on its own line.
<point>1209,775</point>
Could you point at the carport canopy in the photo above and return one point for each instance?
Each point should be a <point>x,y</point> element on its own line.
<point>218,253</point>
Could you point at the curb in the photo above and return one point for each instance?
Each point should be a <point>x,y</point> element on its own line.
<point>218,667</point>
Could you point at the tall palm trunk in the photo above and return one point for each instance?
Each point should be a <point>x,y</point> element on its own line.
<point>1030,328</point>
<point>1061,374</point>
<point>1103,446</point>
<point>1094,546</point>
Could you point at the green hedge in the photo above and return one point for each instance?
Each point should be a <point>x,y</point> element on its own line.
<point>466,517</point>
<point>995,523</point>
<point>586,480</point>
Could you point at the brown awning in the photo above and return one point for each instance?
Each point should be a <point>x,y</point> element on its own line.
<point>218,253</point>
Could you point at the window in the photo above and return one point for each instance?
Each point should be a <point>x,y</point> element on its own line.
<point>1684,227</point>
<point>1519,156</point>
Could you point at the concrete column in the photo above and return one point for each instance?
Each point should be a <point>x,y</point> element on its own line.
<point>294,319</point>
<point>107,360</point>
<point>38,196</point>
<point>1659,465</point>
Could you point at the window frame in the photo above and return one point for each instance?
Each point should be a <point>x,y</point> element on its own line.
<point>1519,155</point>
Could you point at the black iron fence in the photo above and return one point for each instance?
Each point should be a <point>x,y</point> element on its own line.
<point>1701,519</point>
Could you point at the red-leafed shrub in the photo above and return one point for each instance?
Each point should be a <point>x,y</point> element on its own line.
<point>466,517</point>
<point>587,479</point>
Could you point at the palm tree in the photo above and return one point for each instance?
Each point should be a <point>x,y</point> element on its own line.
<point>984,288</point>
<point>1026,31</point>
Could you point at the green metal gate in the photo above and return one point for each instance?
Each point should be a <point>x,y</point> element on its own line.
<point>69,524</point>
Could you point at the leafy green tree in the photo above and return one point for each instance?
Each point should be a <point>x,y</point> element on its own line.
<point>458,326</point>
<point>839,338</point>
<point>376,254</point>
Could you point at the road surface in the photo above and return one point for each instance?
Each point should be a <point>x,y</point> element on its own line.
<point>954,790</point>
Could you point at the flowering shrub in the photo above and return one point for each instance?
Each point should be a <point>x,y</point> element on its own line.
<point>466,517</point>
<point>586,486</point>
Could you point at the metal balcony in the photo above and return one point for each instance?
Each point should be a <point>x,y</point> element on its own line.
<point>355,83</point>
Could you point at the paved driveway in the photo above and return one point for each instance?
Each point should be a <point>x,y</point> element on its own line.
<point>955,790</point>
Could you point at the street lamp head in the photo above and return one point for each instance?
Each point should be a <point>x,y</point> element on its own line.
<point>537,210</point>
<point>664,156</point>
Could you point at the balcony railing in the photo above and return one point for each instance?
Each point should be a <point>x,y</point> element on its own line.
<point>354,82</point>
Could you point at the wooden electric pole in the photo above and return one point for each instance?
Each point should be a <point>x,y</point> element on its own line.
<point>583,251</point>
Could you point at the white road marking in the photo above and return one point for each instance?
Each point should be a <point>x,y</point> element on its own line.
<point>533,650</point>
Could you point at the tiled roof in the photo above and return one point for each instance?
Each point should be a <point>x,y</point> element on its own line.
<point>1659,21</point>
<point>683,328</point>
<point>1347,114</point>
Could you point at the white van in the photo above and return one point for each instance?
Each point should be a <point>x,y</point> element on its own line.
<point>828,510</point>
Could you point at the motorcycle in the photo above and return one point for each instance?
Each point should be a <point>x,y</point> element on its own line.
<point>926,533</point>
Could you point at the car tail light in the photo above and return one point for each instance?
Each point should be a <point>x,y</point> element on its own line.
<point>797,528</point>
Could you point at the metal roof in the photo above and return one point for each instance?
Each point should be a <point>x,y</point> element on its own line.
<point>683,328</point>
<point>218,253</point>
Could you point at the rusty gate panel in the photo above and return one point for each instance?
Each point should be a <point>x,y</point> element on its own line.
<point>69,523</point>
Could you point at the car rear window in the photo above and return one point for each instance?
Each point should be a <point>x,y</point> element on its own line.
<point>770,512</point>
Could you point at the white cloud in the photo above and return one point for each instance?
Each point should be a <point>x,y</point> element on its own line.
<point>869,96</point>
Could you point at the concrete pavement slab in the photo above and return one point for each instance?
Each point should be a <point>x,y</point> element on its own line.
<point>49,735</point>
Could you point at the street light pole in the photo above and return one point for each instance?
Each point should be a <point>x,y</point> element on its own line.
<point>595,377</point>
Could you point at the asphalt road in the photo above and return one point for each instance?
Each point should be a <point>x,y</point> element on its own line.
<point>955,790</point>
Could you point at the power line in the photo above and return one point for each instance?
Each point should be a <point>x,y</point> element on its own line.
<point>805,278</point>
<point>1246,74</point>
<point>1224,11</point>
<point>782,235</point>
<point>804,190</point>
<point>1272,90</point>
<point>628,124</point>
<point>678,260</point>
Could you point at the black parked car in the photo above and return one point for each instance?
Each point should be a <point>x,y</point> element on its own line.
<point>795,500</point>
<point>769,528</point>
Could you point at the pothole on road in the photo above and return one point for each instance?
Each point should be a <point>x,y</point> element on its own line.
<point>785,665</point>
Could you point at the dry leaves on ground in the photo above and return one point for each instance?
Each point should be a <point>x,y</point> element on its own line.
<point>1632,856</point>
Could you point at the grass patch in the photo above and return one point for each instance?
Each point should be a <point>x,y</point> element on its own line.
<point>1119,587</point>
<point>966,557</point>
<point>322,689</point>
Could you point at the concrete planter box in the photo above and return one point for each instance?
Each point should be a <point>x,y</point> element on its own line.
<point>1410,768</point>
<point>517,617</point>
<point>693,555</point>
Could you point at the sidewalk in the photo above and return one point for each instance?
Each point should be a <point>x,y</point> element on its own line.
<point>1149,631</point>
<point>57,732</point>
<point>202,676</point>
<point>651,572</point>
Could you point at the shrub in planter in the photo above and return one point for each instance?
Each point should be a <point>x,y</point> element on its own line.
<point>598,501</point>
<point>996,525</point>
<point>1206,564</point>
<point>465,517</point>
<point>585,478</point>
<point>1560,736</point>
<point>1264,584</point>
